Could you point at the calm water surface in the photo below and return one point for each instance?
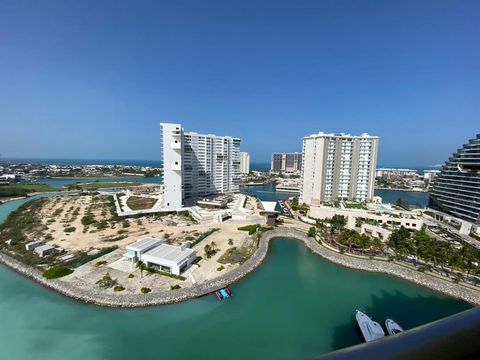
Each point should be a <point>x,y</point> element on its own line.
<point>295,306</point>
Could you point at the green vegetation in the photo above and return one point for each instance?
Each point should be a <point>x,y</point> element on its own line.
<point>100,263</point>
<point>337,222</point>
<point>154,270</point>
<point>88,219</point>
<point>255,228</point>
<point>118,288</point>
<point>175,287</point>
<point>20,226</point>
<point>131,276</point>
<point>210,249</point>
<point>56,272</point>
<point>352,238</point>
<point>432,251</point>
<point>220,268</point>
<point>145,290</point>
<point>106,282</point>
<point>236,255</point>
<point>82,257</point>
<point>16,190</point>
<point>294,205</point>
<point>360,206</point>
<point>203,236</point>
<point>69,229</point>
<point>140,203</point>
<point>312,231</point>
<point>250,228</point>
<point>100,185</point>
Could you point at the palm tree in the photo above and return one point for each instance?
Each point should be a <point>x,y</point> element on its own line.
<point>338,222</point>
<point>141,266</point>
<point>213,246</point>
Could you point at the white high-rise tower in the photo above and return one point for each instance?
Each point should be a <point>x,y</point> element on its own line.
<point>197,165</point>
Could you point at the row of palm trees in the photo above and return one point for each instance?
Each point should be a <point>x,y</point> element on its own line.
<point>440,254</point>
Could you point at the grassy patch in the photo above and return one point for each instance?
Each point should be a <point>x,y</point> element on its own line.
<point>360,206</point>
<point>204,235</point>
<point>140,203</point>
<point>13,190</point>
<point>175,287</point>
<point>56,272</point>
<point>236,255</point>
<point>101,185</point>
<point>145,290</point>
<point>164,273</point>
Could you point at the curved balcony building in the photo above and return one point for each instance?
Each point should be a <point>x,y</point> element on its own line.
<point>456,190</point>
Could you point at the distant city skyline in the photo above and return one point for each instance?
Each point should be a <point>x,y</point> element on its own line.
<point>94,80</point>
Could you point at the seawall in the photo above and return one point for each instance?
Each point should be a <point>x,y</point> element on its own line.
<point>142,300</point>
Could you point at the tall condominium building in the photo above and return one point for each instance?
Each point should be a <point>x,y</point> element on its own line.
<point>197,165</point>
<point>338,166</point>
<point>244,163</point>
<point>456,189</point>
<point>286,162</point>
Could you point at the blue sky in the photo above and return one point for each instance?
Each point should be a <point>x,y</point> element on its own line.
<point>93,79</point>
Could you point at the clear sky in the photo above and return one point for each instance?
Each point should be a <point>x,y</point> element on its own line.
<point>93,79</point>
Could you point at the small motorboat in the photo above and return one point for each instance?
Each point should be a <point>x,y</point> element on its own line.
<point>371,330</point>
<point>223,294</point>
<point>392,327</point>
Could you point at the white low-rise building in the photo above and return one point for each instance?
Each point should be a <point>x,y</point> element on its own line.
<point>141,246</point>
<point>170,258</point>
<point>45,250</point>
<point>153,252</point>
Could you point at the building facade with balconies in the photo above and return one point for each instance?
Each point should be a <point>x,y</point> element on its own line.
<point>456,189</point>
<point>338,167</point>
<point>286,163</point>
<point>197,165</point>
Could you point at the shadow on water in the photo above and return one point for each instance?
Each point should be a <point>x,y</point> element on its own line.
<point>426,308</point>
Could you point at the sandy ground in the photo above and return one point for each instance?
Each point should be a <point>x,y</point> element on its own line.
<point>119,268</point>
<point>62,213</point>
<point>58,215</point>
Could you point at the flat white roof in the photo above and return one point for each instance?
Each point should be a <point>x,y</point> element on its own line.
<point>342,135</point>
<point>269,205</point>
<point>143,244</point>
<point>168,252</point>
<point>44,247</point>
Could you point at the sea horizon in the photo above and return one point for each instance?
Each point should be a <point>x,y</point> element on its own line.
<point>255,165</point>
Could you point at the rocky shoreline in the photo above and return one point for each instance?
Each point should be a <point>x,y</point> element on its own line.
<point>175,296</point>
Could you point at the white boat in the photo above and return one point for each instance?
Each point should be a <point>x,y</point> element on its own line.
<point>392,327</point>
<point>371,330</point>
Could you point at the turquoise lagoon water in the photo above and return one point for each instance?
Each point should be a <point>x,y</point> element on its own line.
<point>296,305</point>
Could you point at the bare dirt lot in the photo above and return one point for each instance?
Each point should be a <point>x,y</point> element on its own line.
<point>83,223</point>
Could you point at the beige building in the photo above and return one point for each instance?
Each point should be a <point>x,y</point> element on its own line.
<point>244,163</point>
<point>338,167</point>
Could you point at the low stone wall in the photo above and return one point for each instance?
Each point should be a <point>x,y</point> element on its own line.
<point>175,296</point>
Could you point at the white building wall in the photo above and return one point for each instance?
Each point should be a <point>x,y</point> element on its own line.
<point>172,148</point>
<point>197,165</point>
